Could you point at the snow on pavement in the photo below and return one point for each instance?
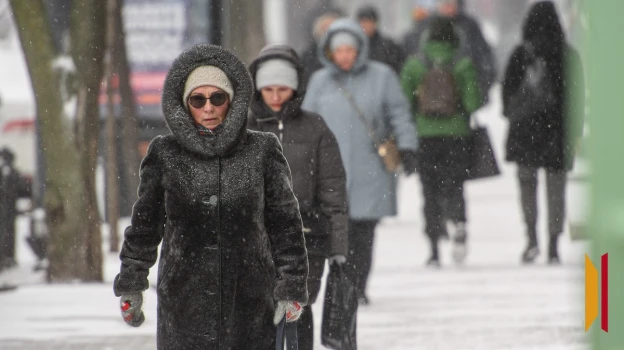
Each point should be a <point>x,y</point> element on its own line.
<point>492,302</point>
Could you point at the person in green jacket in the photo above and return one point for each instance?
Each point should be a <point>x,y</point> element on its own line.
<point>442,88</point>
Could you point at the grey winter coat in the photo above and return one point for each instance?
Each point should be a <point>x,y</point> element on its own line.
<point>319,179</point>
<point>223,206</point>
<point>377,91</point>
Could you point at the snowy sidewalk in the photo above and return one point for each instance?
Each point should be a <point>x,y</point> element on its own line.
<point>491,303</point>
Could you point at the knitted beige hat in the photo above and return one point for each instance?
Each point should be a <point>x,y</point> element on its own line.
<point>207,76</point>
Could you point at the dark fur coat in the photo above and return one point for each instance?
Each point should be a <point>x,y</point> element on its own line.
<point>222,204</point>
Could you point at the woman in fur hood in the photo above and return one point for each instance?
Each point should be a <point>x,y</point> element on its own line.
<point>233,261</point>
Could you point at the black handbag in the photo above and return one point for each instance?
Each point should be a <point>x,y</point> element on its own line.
<point>483,163</point>
<point>338,330</point>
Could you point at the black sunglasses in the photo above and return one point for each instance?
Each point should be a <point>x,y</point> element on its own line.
<point>216,99</point>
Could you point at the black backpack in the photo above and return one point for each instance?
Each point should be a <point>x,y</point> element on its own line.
<point>437,95</point>
<point>535,94</point>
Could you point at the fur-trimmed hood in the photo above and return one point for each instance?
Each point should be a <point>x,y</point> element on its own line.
<point>292,108</point>
<point>233,130</point>
<point>350,26</point>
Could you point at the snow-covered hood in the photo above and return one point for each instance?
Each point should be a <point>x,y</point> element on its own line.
<point>180,121</point>
<point>350,26</point>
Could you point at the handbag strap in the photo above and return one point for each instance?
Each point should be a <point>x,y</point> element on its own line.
<point>286,335</point>
<point>358,111</point>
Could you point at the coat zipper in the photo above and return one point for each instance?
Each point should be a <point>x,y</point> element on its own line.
<point>280,127</point>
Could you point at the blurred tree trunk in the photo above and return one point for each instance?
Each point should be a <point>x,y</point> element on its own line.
<point>245,28</point>
<point>63,190</point>
<point>69,139</point>
<point>88,33</point>
<point>112,171</point>
<point>129,121</point>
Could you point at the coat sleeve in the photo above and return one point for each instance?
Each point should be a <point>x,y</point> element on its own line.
<point>410,79</point>
<point>141,239</point>
<point>513,75</point>
<point>284,227</point>
<point>574,84</point>
<point>331,192</point>
<point>398,113</point>
<point>469,86</point>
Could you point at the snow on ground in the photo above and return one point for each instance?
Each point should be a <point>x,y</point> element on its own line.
<point>492,302</point>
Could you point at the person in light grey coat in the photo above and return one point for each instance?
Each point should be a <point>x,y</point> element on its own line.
<point>376,90</point>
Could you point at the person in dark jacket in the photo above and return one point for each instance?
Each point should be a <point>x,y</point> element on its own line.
<point>363,104</point>
<point>549,138</point>
<point>471,39</point>
<point>445,142</point>
<point>12,187</point>
<point>312,152</point>
<point>381,49</point>
<point>233,261</point>
<point>309,57</point>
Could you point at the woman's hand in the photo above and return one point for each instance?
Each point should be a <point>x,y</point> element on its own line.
<point>131,312</point>
<point>291,309</point>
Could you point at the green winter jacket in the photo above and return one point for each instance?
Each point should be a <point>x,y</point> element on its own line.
<point>466,78</point>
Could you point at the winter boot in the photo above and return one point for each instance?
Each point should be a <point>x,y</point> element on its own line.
<point>460,249</point>
<point>434,259</point>
<point>531,251</point>
<point>553,253</point>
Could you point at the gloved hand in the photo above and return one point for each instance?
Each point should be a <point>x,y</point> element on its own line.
<point>408,158</point>
<point>337,259</point>
<point>131,312</point>
<point>291,309</point>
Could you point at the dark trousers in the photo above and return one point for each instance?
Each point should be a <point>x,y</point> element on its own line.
<point>7,241</point>
<point>305,325</point>
<point>444,200</point>
<point>442,165</point>
<point>555,187</point>
<point>360,259</point>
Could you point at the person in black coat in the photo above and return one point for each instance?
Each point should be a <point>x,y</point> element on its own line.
<point>319,179</point>
<point>310,56</point>
<point>472,42</point>
<point>381,49</point>
<point>233,261</point>
<point>548,138</point>
<point>12,187</point>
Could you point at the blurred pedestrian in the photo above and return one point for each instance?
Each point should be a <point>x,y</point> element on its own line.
<point>441,85</point>
<point>220,199</point>
<point>471,40</point>
<point>421,10</point>
<point>309,58</point>
<point>319,181</point>
<point>360,100</point>
<point>13,186</point>
<point>543,97</point>
<point>382,49</point>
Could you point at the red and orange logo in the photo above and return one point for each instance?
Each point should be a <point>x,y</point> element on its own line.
<point>592,286</point>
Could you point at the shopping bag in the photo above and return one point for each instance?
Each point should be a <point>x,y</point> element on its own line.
<point>483,162</point>
<point>338,330</point>
<point>286,335</point>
